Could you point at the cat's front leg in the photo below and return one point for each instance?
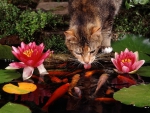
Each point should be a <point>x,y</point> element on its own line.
<point>106,43</point>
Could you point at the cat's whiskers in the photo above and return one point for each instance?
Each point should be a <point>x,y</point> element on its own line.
<point>74,62</point>
<point>96,62</point>
<point>80,65</point>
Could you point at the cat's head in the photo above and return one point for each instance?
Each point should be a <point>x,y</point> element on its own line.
<point>84,45</point>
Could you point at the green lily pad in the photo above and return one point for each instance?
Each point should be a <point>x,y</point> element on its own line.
<point>143,2</point>
<point>14,108</point>
<point>144,71</point>
<point>136,95</point>
<point>133,43</point>
<point>5,52</point>
<point>8,75</point>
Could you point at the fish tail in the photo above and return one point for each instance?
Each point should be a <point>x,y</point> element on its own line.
<point>45,108</point>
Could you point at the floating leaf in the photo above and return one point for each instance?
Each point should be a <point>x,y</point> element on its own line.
<point>134,43</point>
<point>137,95</point>
<point>143,2</point>
<point>5,52</point>
<point>8,75</point>
<point>144,71</point>
<point>22,88</point>
<point>14,108</point>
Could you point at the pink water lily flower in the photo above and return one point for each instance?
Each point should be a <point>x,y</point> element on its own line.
<point>30,56</point>
<point>127,62</point>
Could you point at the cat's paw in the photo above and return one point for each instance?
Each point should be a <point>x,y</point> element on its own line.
<point>107,50</point>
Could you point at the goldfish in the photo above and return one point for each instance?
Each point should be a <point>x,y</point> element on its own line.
<point>126,79</point>
<point>38,78</point>
<point>75,72</point>
<point>102,79</point>
<point>90,73</point>
<point>109,91</point>
<point>55,79</point>
<point>123,81</point>
<point>59,92</point>
<point>58,72</point>
<point>73,83</point>
<point>105,99</point>
<point>65,80</point>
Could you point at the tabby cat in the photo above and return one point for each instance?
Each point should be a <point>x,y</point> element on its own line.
<point>90,28</point>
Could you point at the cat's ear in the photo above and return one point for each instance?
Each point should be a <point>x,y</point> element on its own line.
<point>70,36</point>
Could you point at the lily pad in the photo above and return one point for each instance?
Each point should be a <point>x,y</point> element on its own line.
<point>5,52</point>
<point>144,71</point>
<point>22,88</point>
<point>134,43</point>
<point>8,75</point>
<point>136,95</point>
<point>14,108</point>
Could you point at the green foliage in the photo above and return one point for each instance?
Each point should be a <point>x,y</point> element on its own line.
<point>55,43</point>
<point>14,108</point>
<point>133,3</point>
<point>30,22</point>
<point>5,52</point>
<point>144,71</point>
<point>23,23</point>
<point>56,22</point>
<point>8,75</point>
<point>8,16</point>
<point>133,43</point>
<point>136,95</point>
<point>135,20</point>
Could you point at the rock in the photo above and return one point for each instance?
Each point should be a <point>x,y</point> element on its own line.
<point>59,8</point>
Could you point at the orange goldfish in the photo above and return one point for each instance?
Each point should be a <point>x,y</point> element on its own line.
<point>75,72</point>
<point>105,99</point>
<point>73,83</point>
<point>59,92</point>
<point>58,72</point>
<point>90,73</point>
<point>55,79</point>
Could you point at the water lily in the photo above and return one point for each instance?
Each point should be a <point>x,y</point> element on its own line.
<point>30,56</point>
<point>127,62</point>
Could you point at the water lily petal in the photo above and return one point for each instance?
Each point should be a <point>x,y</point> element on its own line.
<point>136,55</point>
<point>42,69</point>
<point>23,45</point>
<point>118,71</point>
<point>10,67</point>
<point>45,55</point>
<point>39,63</point>
<point>116,55</point>
<point>17,65</point>
<point>117,65</point>
<point>27,72</point>
<point>15,50</point>
<point>132,72</point>
<point>138,64</point>
<point>126,50</point>
<point>125,69</point>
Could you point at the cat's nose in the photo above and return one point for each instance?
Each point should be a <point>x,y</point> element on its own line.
<point>86,62</point>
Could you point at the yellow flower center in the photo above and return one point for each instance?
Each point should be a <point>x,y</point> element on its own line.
<point>28,52</point>
<point>126,60</point>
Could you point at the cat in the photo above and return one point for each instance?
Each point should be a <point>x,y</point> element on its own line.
<point>90,28</point>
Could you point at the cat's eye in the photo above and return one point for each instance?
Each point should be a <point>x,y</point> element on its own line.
<point>78,53</point>
<point>92,51</point>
